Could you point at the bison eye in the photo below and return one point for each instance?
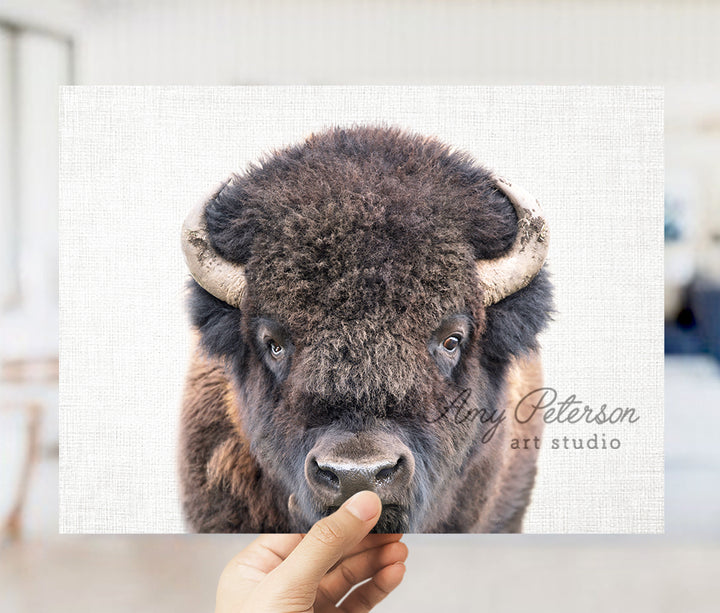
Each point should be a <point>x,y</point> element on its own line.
<point>276,350</point>
<point>451,343</point>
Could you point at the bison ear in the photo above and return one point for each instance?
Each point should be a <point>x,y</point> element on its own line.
<point>217,238</point>
<point>231,222</point>
<point>492,224</point>
<point>218,323</point>
<point>513,324</point>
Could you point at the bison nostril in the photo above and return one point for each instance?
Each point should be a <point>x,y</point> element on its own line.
<point>325,475</point>
<point>388,472</point>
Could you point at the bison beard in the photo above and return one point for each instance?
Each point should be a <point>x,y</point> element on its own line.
<point>344,290</point>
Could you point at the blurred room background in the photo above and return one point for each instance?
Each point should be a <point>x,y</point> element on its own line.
<point>47,43</point>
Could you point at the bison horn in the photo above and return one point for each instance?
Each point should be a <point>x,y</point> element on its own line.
<point>514,270</point>
<point>215,274</point>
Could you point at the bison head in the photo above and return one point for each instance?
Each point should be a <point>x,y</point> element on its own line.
<point>362,288</point>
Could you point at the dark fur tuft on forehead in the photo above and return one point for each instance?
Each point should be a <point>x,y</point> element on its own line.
<point>382,172</point>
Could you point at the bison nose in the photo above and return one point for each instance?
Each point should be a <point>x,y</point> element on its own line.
<point>333,480</point>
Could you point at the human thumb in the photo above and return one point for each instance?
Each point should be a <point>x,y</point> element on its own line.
<point>326,543</point>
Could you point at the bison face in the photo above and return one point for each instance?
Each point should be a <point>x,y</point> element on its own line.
<point>366,290</point>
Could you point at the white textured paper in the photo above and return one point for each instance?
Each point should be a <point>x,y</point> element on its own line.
<point>133,160</point>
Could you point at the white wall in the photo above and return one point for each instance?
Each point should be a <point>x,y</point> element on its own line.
<point>8,267</point>
<point>61,16</point>
<point>413,41</point>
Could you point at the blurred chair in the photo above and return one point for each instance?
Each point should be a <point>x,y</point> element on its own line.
<point>28,385</point>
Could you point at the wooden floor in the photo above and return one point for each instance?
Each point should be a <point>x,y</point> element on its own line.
<point>445,573</point>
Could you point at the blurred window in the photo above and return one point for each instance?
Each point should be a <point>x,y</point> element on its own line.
<point>33,63</point>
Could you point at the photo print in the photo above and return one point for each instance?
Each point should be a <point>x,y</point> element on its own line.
<point>275,297</point>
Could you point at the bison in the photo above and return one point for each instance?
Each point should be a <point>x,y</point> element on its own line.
<point>366,306</point>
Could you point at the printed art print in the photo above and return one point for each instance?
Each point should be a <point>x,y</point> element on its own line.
<point>275,297</point>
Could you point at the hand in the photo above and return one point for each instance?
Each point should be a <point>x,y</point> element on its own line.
<point>289,573</point>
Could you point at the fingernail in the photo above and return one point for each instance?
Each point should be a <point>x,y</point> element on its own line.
<point>363,505</point>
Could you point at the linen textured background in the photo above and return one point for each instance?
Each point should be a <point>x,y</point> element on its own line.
<point>135,159</point>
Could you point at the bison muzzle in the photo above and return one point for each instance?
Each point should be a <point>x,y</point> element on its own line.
<point>362,302</point>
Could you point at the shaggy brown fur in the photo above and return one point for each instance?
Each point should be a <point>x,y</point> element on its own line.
<point>359,248</point>
<point>215,458</point>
